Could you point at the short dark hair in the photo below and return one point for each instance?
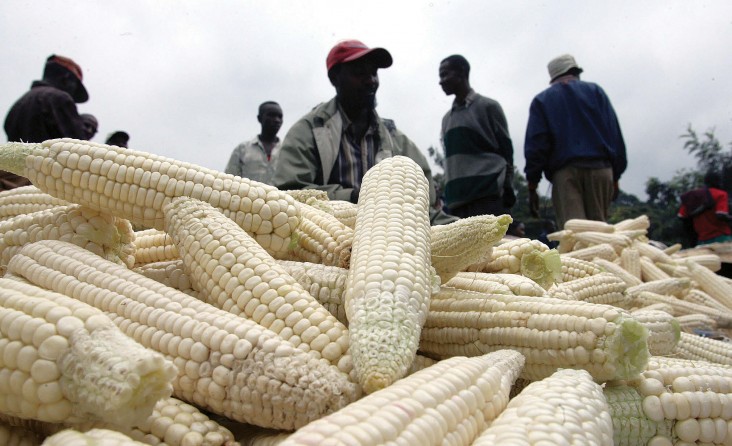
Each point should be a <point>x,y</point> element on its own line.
<point>264,104</point>
<point>459,62</point>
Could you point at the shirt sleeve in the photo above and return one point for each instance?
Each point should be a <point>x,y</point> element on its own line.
<point>537,144</point>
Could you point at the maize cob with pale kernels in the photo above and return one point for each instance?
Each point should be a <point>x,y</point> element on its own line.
<point>602,250</point>
<point>325,283</point>
<point>105,235</point>
<point>570,398</point>
<point>671,286</point>
<point>689,323</point>
<point>652,252</point>
<point>695,347</point>
<point>530,258</point>
<point>591,238</point>
<point>711,283</point>
<point>631,425</point>
<point>711,261</point>
<point>551,333</point>
<point>664,330</point>
<point>169,273</point>
<point>640,222</point>
<point>457,245</point>
<point>97,436</point>
<point>26,200</point>
<point>673,249</point>
<point>136,185</point>
<point>577,268</point>
<point>602,288</point>
<point>343,211</point>
<point>152,245</point>
<point>65,361</point>
<point>390,279</point>
<point>496,283</point>
<point>450,402</point>
<point>579,225</point>
<point>565,239</point>
<point>681,307</point>
<point>320,238</point>
<point>232,272</point>
<point>226,364</point>
<point>614,268</point>
<point>650,271</point>
<point>699,297</point>
<point>630,261</point>
<point>305,195</point>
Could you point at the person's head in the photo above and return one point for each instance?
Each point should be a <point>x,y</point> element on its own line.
<point>517,229</point>
<point>65,74</point>
<point>713,179</point>
<point>118,138</point>
<point>454,74</point>
<point>352,70</point>
<point>561,65</point>
<point>270,116</point>
<point>90,124</point>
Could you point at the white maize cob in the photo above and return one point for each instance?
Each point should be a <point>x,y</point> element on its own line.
<point>226,364</point>
<point>457,245</point>
<point>652,252</point>
<point>578,225</point>
<point>496,283</point>
<point>551,333</point>
<point>711,261</point>
<point>701,298</point>
<point>170,273</point>
<point>692,346</point>
<point>614,268</point>
<point>320,238</point>
<point>631,425</point>
<point>305,195</point>
<point>672,286</point>
<point>390,278</point>
<point>343,211</point>
<point>630,261</point>
<point>450,402</point>
<point>101,437</point>
<point>530,258</point>
<point>136,185</point>
<point>233,272</point>
<point>664,330</point>
<point>711,284</point>
<point>603,288</point>
<point>26,200</point>
<point>691,322</point>
<point>107,236</point>
<point>576,268</point>
<point>640,222</point>
<point>570,398</point>
<point>602,250</point>
<point>565,239</point>
<point>651,272</point>
<point>152,245</point>
<point>325,283</point>
<point>617,241</point>
<point>64,361</point>
<point>681,307</point>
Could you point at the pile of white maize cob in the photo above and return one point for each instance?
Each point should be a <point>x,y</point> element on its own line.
<point>145,300</point>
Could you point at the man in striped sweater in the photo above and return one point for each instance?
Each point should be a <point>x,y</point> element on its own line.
<point>478,148</point>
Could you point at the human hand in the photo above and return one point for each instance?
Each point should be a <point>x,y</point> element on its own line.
<point>534,203</point>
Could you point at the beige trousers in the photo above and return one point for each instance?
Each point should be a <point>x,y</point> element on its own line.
<point>582,193</point>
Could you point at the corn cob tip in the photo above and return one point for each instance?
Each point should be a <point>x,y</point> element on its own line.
<point>629,348</point>
<point>13,155</point>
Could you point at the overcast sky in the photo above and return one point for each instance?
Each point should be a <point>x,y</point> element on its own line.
<point>184,78</point>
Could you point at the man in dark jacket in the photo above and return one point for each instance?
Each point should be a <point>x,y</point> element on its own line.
<point>574,138</point>
<point>47,111</point>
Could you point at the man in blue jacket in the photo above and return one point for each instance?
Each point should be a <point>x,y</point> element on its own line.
<point>574,138</point>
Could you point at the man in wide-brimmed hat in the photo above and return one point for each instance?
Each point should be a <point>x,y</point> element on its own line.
<point>574,138</point>
<point>48,110</point>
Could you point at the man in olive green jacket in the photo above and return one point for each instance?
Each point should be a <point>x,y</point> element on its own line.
<point>332,147</point>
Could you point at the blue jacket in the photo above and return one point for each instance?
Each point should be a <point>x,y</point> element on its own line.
<point>568,122</point>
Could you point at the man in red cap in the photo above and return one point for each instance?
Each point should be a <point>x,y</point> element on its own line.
<point>47,111</point>
<point>333,146</point>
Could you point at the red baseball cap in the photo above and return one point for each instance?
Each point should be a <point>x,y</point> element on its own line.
<point>350,50</point>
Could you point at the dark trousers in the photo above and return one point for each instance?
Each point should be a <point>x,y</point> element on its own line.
<point>482,206</point>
